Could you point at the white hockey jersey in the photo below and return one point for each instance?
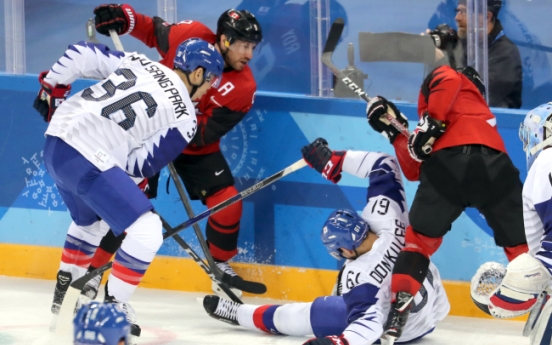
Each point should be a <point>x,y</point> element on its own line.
<point>537,208</point>
<point>138,119</point>
<point>366,281</point>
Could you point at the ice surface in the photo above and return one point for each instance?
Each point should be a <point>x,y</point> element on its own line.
<point>170,318</point>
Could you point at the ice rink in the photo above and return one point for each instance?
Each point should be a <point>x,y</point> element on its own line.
<point>168,317</point>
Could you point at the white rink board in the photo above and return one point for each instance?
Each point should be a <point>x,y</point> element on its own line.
<point>171,318</point>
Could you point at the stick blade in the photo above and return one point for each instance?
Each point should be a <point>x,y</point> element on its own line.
<point>334,35</point>
<point>243,285</point>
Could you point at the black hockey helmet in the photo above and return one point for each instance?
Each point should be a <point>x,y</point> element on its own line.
<point>239,25</point>
<point>474,77</point>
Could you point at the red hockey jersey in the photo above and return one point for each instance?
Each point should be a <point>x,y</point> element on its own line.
<point>219,110</point>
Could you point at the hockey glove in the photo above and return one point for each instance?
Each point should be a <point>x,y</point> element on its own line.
<point>120,18</point>
<point>327,162</point>
<point>329,340</point>
<point>49,97</point>
<point>375,111</point>
<point>420,142</point>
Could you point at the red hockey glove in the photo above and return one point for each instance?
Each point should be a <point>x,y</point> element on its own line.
<point>375,111</point>
<point>327,162</point>
<point>120,18</point>
<point>329,340</point>
<point>420,142</point>
<point>49,97</point>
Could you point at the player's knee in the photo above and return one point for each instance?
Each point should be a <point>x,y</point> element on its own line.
<point>415,241</point>
<point>222,195</point>
<point>148,231</point>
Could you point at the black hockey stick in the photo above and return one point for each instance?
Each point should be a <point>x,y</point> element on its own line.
<point>201,263</point>
<point>218,275</point>
<point>333,38</point>
<point>72,295</point>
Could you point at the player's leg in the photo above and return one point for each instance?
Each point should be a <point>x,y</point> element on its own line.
<point>503,206</point>
<point>84,233</point>
<point>437,203</point>
<point>209,179</point>
<point>325,316</point>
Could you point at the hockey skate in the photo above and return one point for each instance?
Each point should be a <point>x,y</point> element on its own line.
<point>397,317</point>
<point>221,309</point>
<point>226,268</point>
<point>63,282</point>
<point>135,330</point>
<point>89,291</point>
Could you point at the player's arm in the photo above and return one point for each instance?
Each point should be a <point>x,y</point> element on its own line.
<point>154,32</point>
<point>160,149</point>
<point>409,166</point>
<point>211,128</point>
<point>83,59</point>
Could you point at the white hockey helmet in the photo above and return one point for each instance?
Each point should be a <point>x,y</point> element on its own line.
<point>536,132</point>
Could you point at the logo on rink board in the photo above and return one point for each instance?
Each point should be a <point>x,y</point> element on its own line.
<point>40,190</point>
<point>240,148</point>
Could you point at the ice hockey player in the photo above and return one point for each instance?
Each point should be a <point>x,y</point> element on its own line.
<point>201,166</point>
<point>460,160</point>
<point>101,324</point>
<point>130,125</point>
<point>525,284</point>
<point>370,243</point>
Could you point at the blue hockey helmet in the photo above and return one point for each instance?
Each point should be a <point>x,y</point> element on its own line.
<point>101,324</point>
<point>194,53</point>
<point>536,132</point>
<point>343,229</point>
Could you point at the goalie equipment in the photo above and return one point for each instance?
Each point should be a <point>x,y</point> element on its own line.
<point>525,279</point>
<point>376,110</point>
<point>343,229</point>
<point>541,333</point>
<point>221,309</point>
<point>535,132</point>
<point>486,280</point>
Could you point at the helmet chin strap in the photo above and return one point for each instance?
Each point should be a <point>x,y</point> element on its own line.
<point>194,87</point>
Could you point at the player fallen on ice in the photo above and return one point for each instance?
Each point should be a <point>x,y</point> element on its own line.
<point>127,126</point>
<point>370,243</point>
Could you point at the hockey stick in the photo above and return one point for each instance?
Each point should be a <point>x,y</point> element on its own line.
<point>116,40</point>
<point>219,277</point>
<point>201,263</point>
<point>74,290</point>
<point>329,48</point>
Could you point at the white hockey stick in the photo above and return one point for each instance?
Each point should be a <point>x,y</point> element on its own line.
<point>331,43</point>
<point>116,40</point>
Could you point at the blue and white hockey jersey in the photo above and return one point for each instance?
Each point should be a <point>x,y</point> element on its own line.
<point>366,281</point>
<point>139,118</point>
<point>537,208</point>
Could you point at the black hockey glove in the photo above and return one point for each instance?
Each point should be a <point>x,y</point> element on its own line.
<point>444,36</point>
<point>322,159</point>
<point>120,18</point>
<point>420,142</point>
<point>49,97</point>
<point>329,340</point>
<point>375,111</point>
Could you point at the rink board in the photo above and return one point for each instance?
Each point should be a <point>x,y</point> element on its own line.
<point>279,240</point>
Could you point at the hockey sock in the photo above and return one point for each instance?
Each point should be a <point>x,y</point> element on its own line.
<point>223,227</point>
<point>143,240</point>
<point>289,319</point>
<point>409,272</point>
<point>79,247</point>
<point>108,246</point>
<point>515,251</point>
